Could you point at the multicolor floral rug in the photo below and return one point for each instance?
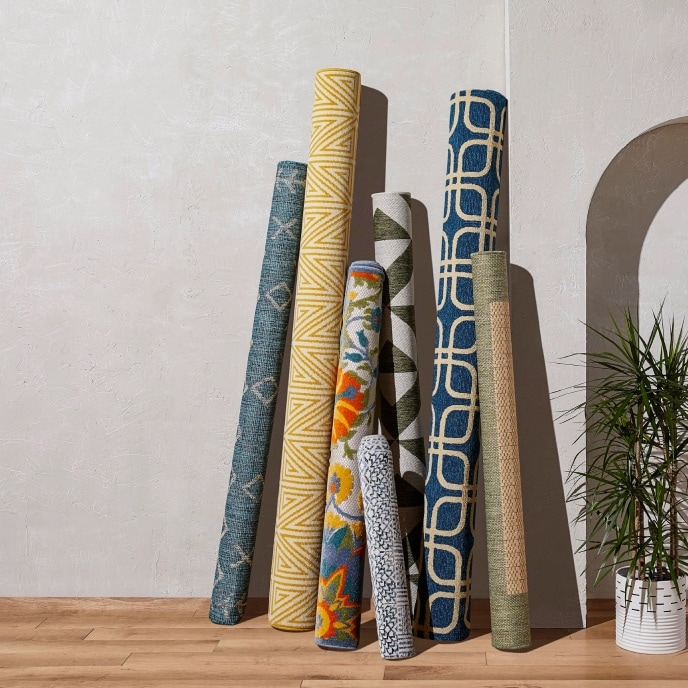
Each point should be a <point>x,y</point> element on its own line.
<point>343,547</point>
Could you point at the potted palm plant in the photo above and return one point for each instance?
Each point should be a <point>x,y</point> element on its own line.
<point>632,481</point>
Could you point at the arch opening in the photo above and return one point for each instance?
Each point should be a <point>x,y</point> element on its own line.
<point>628,197</point>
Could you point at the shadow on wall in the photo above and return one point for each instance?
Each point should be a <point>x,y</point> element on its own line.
<point>552,584</point>
<point>626,200</point>
<point>425,307</point>
<point>479,584</point>
<point>503,226</point>
<point>371,165</point>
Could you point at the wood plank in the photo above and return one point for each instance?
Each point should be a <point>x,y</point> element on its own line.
<point>54,605</point>
<point>263,638</point>
<point>68,675</point>
<point>81,657</point>
<point>42,677</point>
<point>125,646</point>
<point>243,642</point>
<point>593,658</point>
<point>60,635</point>
<point>121,619</point>
<point>114,620</point>
<point>21,620</point>
<point>580,648</point>
<point>261,635</point>
<point>481,641</point>
<point>211,632</point>
<point>192,665</point>
<point>539,672</point>
<point>548,651</point>
<point>146,642</point>
<point>606,631</point>
<point>317,655</point>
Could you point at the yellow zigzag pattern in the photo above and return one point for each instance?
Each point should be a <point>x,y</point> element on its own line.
<point>315,350</point>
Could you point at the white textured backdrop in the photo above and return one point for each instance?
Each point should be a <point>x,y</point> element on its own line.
<point>138,144</point>
<point>586,79</point>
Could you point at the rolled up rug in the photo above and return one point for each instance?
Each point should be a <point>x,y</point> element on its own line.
<point>506,552</point>
<point>315,350</point>
<point>399,387</point>
<point>340,588</point>
<point>476,135</point>
<point>385,548</point>
<point>263,370</point>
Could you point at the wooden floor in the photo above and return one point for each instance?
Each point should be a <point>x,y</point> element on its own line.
<point>160,643</point>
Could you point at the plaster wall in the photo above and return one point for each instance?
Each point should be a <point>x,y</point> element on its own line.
<point>585,80</point>
<point>138,145</point>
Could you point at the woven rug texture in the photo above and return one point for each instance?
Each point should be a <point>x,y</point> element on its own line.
<point>476,138</point>
<point>506,552</point>
<point>340,587</point>
<point>315,350</point>
<point>263,370</point>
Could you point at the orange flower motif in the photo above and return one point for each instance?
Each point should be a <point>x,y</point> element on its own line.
<point>348,404</point>
<point>325,621</point>
<point>337,615</point>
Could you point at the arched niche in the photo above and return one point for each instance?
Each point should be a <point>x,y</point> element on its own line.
<point>662,267</point>
<point>631,191</point>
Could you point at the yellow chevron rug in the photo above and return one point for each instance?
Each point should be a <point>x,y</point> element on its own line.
<point>315,350</point>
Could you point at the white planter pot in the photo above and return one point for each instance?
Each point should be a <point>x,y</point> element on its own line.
<point>650,616</point>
